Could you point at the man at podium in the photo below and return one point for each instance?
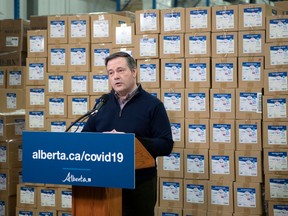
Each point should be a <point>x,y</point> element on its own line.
<point>130,109</point>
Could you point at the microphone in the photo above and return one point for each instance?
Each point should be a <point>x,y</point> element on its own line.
<point>101,102</point>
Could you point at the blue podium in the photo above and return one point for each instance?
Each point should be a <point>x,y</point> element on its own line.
<point>96,165</point>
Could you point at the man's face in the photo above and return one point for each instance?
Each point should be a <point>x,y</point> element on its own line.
<point>121,78</point>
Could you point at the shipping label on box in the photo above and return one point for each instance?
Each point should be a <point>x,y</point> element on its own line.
<point>276,81</point>
<point>250,72</point>
<point>276,55</point>
<point>275,134</point>
<point>222,134</point>
<point>222,102</point>
<point>173,73</point>
<point>199,45</point>
<point>172,20</point>
<point>251,43</point>
<point>171,192</point>
<point>37,43</point>
<point>65,198</point>
<point>124,35</point>
<point>248,166</point>
<point>99,83</point>
<point>56,83</point>
<point>147,46</point>
<point>148,73</point>
<point>275,108</point>
<point>47,198</point>
<point>35,96</point>
<point>79,57</point>
<point>198,19</point>
<point>77,126</point>
<point>78,105</point>
<point>98,54</point>
<point>171,166</point>
<point>3,75</point>
<point>197,133</point>
<point>147,21</point>
<point>56,124</point>
<point>224,45</point>
<point>195,194</point>
<point>56,106</point>
<point>276,28</point>
<point>173,101</point>
<point>57,57</point>
<point>197,103</point>
<point>35,119</point>
<point>35,71</point>
<point>79,29</point>
<point>277,208</point>
<point>196,164</point>
<point>276,187</point>
<point>26,196</point>
<point>275,161</point>
<point>16,77</point>
<point>225,18</point>
<point>178,129</point>
<point>57,29</point>
<point>197,72</point>
<point>78,83</point>
<point>171,45</point>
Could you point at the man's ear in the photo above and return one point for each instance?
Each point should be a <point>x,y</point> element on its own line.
<point>134,72</point>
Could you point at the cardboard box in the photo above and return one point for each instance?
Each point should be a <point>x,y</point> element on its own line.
<point>129,50</point>
<point>14,35</point>
<point>221,165</point>
<point>276,208</point>
<point>35,96</point>
<point>98,54</point>
<point>251,43</point>
<point>10,179</point>
<point>25,211</point>
<point>249,103</point>
<point>37,43</point>
<point>196,163</point>
<point>198,44</point>
<point>249,135</point>
<point>47,198</point>
<point>35,71</point>
<point>275,55</point>
<point>197,133</point>
<point>155,92</point>
<point>282,6</point>
<point>124,35</point>
<point>224,44</point>
<point>172,20</point>
<point>56,106</point>
<point>197,73</point>
<point>78,105</point>
<point>171,166</point>
<point>99,83</point>
<point>220,198</point>
<point>171,192</point>
<point>79,28</point>
<point>12,100</point>
<point>190,212</point>
<point>172,73</point>
<point>3,77</point>
<point>38,22</point>
<point>275,28</point>
<point>27,196</point>
<point>146,46</point>
<point>222,134</point>
<point>220,213</point>
<point>224,18</point>
<point>222,103</point>
<point>197,103</point>
<point>11,126</point>
<point>275,81</point>
<point>171,45</point>
<point>147,21</point>
<point>103,26</point>
<point>248,166</point>
<point>13,58</point>
<point>58,55</point>
<point>178,132</point>
<point>275,108</point>
<point>274,161</point>
<point>16,77</point>
<point>252,16</point>
<point>64,213</point>
<point>56,83</point>
<point>8,204</point>
<point>174,102</point>
<point>65,199</point>
<point>148,73</point>
<point>12,154</point>
<point>195,194</point>
<point>78,83</point>
<point>79,57</point>
<point>57,29</point>
<point>248,198</point>
<point>224,73</point>
<point>35,119</point>
<point>250,72</point>
<point>274,135</point>
<point>275,188</point>
<point>56,124</point>
<point>198,19</point>
<point>168,211</point>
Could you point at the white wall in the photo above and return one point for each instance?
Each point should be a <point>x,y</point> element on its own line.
<point>7,9</point>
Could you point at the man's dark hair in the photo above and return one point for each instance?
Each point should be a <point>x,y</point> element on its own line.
<point>130,60</point>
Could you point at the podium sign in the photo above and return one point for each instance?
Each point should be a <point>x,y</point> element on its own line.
<point>82,159</point>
